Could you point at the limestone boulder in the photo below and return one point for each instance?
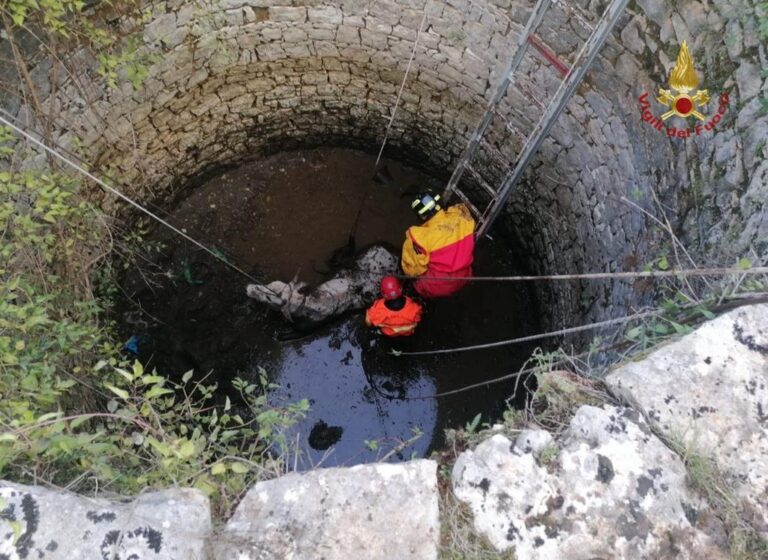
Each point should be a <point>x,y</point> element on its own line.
<point>51,525</point>
<point>710,390</point>
<point>607,488</point>
<point>376,511</point>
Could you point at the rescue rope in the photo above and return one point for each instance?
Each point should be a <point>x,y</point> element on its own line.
<point>745,299</point>
<point>402,85</point>
<point>120,195</point>
<point>598,275</point>
<point>520,373</point>
<point>529,338</point>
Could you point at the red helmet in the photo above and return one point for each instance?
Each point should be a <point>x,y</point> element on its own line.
<point>391,288</point>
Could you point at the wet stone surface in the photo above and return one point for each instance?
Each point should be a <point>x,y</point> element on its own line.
<point>292,212</point>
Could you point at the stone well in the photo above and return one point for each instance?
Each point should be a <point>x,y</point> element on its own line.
<point>232,79</point>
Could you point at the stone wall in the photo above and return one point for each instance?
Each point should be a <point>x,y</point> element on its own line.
<point>235,78</point>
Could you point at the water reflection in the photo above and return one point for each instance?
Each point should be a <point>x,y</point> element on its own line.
<point>348,378</point>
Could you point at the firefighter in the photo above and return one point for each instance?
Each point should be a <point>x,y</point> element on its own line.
<point>394,314</point>
<point>442,246</point>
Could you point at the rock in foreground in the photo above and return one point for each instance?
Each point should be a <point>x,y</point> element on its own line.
<point>710,390</point>
<point>608,489</point>
<point>50,525</point>
<point>379,511</point>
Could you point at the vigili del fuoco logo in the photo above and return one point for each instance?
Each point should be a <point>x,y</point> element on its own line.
<point>683,101</point>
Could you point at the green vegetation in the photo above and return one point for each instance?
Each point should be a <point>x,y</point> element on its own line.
<point>761,9</point>
<point>759,147</point>
<point>549,455</point>
<point>73,411</point>
<point>58,26</point>
<point>458,538</point>
<point>763,106</point>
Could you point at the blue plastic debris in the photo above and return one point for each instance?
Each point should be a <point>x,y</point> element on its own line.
<point>132,345</point>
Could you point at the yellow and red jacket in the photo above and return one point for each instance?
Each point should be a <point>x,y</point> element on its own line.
<point>443,246</point>
<point>394,323</point>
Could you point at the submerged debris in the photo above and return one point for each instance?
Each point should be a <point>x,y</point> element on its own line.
<point>324,436</point>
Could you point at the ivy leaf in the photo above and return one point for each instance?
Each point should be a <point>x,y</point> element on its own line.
<point>159,446</point>
<point>156,392</point>
<point>187,449</point>
<point>9,359</point>
<point>239,468</point>
<point>127,375</point>
<point>138,369</point>
<point>122,393</point>
<point>205,485</point>
<point>218,468</point>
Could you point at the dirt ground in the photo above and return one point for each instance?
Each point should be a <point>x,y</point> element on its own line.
<point>287,214</point>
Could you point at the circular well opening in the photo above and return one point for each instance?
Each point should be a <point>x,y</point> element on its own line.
<point>288,215</point>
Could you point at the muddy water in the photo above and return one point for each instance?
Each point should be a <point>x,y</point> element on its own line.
<point>287,214</point>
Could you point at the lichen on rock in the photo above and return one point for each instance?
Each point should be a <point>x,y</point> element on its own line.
<point>709,391</point>
<point>45,524</point>
<point>611,490</point>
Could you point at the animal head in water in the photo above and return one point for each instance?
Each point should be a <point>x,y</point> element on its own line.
<point>271,294</point>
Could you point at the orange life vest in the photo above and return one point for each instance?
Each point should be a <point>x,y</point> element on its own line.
<point>394,323</point>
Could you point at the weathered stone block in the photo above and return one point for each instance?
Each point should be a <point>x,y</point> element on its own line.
<point>287,14</point>
<point>39,523</point>
<point>373,39</point>
<point>160,28</point>
<point>270,52</point>
<point>338,514</point>
<point>294,35</point>
<point>711,389</point>
<point>348,36</point>
<point>608,489</point>
<point>325,14</point>
<point>322,33</point>
<point>297,50</point>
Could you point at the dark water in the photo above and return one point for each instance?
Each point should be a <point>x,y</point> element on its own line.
<point>287,214</point>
